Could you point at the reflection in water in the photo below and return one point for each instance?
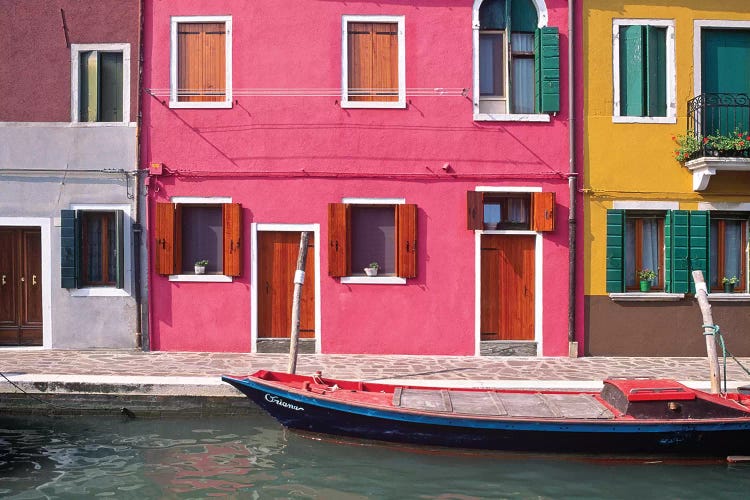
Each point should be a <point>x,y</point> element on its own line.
<point>253,457</point>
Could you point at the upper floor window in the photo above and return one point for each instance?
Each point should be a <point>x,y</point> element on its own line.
<point>100,81</point>
<point>373,62</point>
<point>499,210</point>
<point>517,67</point>
<point>643,65</point>
<point>201,57</point>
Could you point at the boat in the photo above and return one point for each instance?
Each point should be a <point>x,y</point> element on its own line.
<point>628,416</point>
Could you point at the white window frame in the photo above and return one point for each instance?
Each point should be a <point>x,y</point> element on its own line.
<point>345,102</point>
<point>671,97</point>
<point>174,22</point>
<point>374,280</point>
<point>127,281</point>
<point>75,84</point>
<point>542,20</point>
<point>197,200</point>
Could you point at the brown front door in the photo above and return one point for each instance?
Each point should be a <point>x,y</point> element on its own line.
<point>277,263</point>
<point>20,286</point>
<point>507,287</point>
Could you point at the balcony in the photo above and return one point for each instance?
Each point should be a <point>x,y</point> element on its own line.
<point>718,126</point>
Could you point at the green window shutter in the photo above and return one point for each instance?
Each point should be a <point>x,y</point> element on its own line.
<point>110,87</point>
<point>700,229</point>
<point>677,241</point>
<point>656,71</point>
<point>120,248</point>
<point>547,70</point>
<point>632,67</point>
<point>523,16</point>
<point>69,237</point>
<point>615,251</point>
<point>88,82</point>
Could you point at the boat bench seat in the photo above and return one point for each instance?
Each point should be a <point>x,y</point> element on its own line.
<point>503,404</point>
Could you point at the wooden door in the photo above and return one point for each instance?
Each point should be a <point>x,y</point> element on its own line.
<point>20,286</point>
<point>277,263</point>
<point>507,287</point>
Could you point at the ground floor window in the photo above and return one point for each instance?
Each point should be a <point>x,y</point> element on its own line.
<point>644,244</point>
<point>92,248</point>
<point>727,253</point>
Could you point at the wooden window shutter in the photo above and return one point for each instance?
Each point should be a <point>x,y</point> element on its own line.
<point>676,237</point>
<point>547,69</point>
<point>656,71</point>
<point>385,61</point>
<point>165,238</point>
<point>406,241</point>
<point>69,249</point>
<point>474,210</point>
<point>201,62</point>
<point>232,225</point>
<point>700,227</point>
<point>615,251</point>
<point>542,211</point>
<point>632,66</point>
<point>338,239</point>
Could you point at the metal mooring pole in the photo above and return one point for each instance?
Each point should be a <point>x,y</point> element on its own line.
<point>299,280</point>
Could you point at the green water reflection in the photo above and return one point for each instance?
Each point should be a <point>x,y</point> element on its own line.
<point>253,457</point>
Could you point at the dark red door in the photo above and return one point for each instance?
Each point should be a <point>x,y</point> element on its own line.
<point>20,286</point>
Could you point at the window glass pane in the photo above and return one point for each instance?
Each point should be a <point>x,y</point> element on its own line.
<point>98,252</point>
<point>492,15</point>
<point>111,249</point>
<point>714,254</point>
<point>492,213</point>
<point>202,237</point>
<point>522,85</point>
<point>373,238</point>
<point>491,64</point>
<point>630,271</point>
<point>732,248</point>
<point>522,42</point>
<point>650,248</point>
<point>93,249</point>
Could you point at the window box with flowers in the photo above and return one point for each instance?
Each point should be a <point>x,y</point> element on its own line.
<point>729,283</point>
<point>705,155</point>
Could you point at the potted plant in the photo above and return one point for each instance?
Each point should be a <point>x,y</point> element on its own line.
<point>729,283</point>
<point>646,276</point>
<point>372,269</point>
<point>200,266</point>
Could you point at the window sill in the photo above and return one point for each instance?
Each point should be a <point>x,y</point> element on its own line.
<point>644,119</point>
<point>103,124</point>
<point>200,105</point>
<point>729,297</point>
<point>200,278</point>
<point>646,297</point>
<point>400,104</point>
<point>492,117</point>
<point>99,292</point>
<point>373,280</point>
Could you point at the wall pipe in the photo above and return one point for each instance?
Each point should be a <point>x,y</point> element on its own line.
<point>572,184</point>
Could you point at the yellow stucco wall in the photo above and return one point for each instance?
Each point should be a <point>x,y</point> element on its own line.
<point>635,161</point>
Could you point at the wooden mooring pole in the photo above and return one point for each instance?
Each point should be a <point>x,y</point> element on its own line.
<point>299,280</point>
<point>701,293</point>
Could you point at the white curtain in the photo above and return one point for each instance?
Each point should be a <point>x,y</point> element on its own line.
<point>732,248</point>
<point>650,250</point>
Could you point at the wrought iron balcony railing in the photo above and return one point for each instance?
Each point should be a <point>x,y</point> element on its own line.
<point>720,125</point>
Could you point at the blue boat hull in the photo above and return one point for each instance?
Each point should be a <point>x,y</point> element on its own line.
<point>308,413</point>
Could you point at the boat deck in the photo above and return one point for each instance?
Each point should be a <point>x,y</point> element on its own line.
<point>505,404</point>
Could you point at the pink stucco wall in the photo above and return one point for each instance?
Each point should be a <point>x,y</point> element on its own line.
<point>285,158</point>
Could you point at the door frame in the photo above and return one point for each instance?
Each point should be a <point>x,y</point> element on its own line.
<point>538,272</point>
<point>255,228</point>
<point>45,229</point>
<point>698,26</point>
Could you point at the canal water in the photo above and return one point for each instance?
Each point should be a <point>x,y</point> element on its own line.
<point>253,457</point>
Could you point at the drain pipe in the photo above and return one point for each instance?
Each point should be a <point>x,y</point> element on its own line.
<point>572,184</point>
<point>137,226</point>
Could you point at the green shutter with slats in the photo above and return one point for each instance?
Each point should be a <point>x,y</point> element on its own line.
<point>632,71</point>
<point>120,248</point>
<point>615,251</point>
<point>656,71</point>
<point>700,229</point>
<point>110,87</point>
<point>547,70</point>
<point>68,249</point>
<point>677,241</point>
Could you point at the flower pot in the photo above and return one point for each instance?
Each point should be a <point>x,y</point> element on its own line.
<point>645,285</point>
<point>200,269</point>
<point>371,271</point>
<point>728,287</point>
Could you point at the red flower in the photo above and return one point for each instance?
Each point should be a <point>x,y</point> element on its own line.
<point>705,140</point>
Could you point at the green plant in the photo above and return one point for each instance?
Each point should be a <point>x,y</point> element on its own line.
<point>646,275</point>
<point>736,141</point>
<point>729,281</point>
<point>201,263</point>
<point>374,265</point>
<point>687,146</point>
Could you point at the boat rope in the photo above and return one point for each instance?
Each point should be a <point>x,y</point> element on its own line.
<point>124,411</point>
<point>715,331</point>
